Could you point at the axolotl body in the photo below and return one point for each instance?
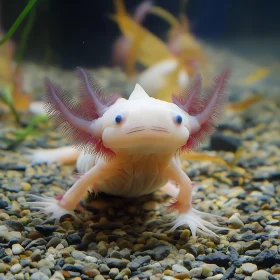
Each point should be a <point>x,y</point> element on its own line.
<point>131,147</point>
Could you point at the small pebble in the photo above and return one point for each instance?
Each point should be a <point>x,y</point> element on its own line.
<point>39,276</point>
<point>151,206</point>
<point>235,221</point>
<point>16,268</point>
<point>113,272</point>
<point>2,267</point>
<point>249,268</point>
<point>77,255</point>
<point>260,275</point>
<point>17,249</point>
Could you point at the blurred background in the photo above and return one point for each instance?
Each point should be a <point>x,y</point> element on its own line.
<point>70,33</point>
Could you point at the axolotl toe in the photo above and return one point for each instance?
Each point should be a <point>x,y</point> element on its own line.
<point>131,147</point>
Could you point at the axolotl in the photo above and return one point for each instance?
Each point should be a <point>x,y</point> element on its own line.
<point>131,147</point>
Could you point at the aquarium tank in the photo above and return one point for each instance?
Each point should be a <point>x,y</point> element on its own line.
<point>139,139</point>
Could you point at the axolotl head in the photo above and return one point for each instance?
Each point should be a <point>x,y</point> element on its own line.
<point>145,124</point>
<point>140,124</point>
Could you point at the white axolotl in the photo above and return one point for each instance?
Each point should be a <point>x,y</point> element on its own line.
<point>131,147</point>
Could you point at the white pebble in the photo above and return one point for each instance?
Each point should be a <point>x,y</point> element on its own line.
<point>17,249</point>
<point>249,268</point>
<point>77,255</point>
<point>260,275</point>
<point>19,276</point>
<point>215,277</point>
<point>91,259</point>
<point>196,272</point>
<point>189,257</point>
<point>16,268</point>
<point>235,221</point>
<point>177,268</point>
<point>45,263</point>
<point>39,275</point>
<point>57,276</point>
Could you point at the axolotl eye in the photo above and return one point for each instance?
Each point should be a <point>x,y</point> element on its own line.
<point>178,119</point>
<point>118,119</point>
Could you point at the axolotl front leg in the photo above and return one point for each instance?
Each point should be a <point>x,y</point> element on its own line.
<point>183,203</point>
<point>56,208</point>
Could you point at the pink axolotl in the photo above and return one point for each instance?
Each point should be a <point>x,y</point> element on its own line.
<point>130,147</point>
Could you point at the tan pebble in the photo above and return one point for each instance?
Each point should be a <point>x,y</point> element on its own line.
<point>276,270</point>
<point>77,278</point>
<point>4,216</point>
<point>33,264</point>
<point>25,220</point>
<point>122,243</point>
<point>274,248</point>
<point>151,206</point>
<point>99,277</point>
<point>184,276</point>
<point>239,270</point>
<point>25,212</point>
<point>265,206</point>
<point>239,170</point>
<point>224,242</point>
<point>168,272</point>
<point>66,225</point>
<point>266,244</point>
<point>66,274</point>
<point>151,241</point>
<point>69,260</point>
<point>210,244</point>
<point>101,237</point>
<point>185,235</point>
<point>16,206</point>
<point>119,232</point>
<point>65,252</point>
<point>2,267</point>
<point>257,226</point>
<point>14,261</point>
<point>163,236</point>
<point>8,252</point>
<point>137,247</point>
<point>25,186</point>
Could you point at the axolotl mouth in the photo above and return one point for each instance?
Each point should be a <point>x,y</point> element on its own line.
<point>142,128</point>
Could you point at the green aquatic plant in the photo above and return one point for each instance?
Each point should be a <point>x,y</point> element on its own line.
<point>18,21</point>
<point>7,99</point>
<point>31,128</point>
<point>12,93</point>
<point>24,37</point>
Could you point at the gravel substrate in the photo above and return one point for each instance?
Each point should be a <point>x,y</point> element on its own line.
<point>124,239</point>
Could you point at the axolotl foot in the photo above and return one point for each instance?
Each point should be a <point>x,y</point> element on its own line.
<point>197,222</point>
<point>51,207</point>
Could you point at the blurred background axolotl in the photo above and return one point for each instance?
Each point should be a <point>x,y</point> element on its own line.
<point>131,147</point>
